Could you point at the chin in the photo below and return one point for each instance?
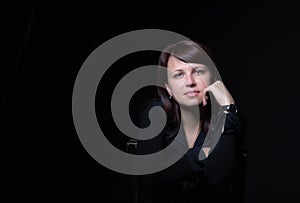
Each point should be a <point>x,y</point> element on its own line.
<point>191,103</point>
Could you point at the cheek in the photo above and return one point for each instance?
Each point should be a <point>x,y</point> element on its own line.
<point>175,86</point>
<point>203,82</point>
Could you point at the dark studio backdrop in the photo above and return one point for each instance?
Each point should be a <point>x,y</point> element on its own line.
<point>44,43</point>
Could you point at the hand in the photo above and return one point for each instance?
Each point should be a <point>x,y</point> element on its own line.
<point>220,92</point>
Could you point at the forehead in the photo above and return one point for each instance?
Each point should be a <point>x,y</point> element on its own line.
<point>175,64</point>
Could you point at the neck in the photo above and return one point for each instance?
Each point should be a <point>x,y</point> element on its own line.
<point>190,117</point>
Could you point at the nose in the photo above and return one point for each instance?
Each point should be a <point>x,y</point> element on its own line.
<point>190,82</point>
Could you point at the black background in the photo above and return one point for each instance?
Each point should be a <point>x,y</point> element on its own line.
<point>44,43</point>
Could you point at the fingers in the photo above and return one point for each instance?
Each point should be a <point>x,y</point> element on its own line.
<point>216,90</point>
<point>220,93</point>
<point>204,98</point>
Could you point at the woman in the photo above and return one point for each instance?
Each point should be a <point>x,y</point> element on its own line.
<point>191,81</point>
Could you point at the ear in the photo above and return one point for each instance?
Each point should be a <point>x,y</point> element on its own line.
<point>168,89</point>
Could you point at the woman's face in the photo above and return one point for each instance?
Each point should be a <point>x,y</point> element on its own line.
<point>186,81</point>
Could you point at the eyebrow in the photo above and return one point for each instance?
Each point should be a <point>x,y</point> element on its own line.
<point>180,69</point>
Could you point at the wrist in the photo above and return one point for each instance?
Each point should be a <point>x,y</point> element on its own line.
<point>229,108</point>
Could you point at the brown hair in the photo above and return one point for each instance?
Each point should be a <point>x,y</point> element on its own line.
<point>190,52</point>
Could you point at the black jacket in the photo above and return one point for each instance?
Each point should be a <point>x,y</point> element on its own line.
<point>189,179</point>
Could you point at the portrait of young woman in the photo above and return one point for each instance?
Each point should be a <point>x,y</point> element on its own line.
<point>192,83</point>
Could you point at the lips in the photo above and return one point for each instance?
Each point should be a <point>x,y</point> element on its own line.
<point>192,93</point>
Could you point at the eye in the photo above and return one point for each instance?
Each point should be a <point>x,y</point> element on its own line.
<point>178,75</point>
<point>199,71</point>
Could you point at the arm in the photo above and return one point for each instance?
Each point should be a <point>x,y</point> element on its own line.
<point>215,170</point>
<point>219,166</point>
